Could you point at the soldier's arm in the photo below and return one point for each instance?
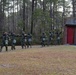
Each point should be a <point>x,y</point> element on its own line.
<point>18,35</point>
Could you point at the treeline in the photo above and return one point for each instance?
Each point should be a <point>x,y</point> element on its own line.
<point>33,16</point>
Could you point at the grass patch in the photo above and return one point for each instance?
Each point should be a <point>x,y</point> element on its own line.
<point>54,60</point>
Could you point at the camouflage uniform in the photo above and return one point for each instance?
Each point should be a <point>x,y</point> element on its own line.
<point>13,41</point>
<point>58,38</point>
<point>50,38</point>
<point>29,40</point>
<point>43,39</point>
<point>5,39</point>
<point>23,40</point>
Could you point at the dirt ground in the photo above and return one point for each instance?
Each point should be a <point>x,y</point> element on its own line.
<point>52,60</point>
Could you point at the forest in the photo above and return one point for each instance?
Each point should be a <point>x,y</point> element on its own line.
<point>35,16</point>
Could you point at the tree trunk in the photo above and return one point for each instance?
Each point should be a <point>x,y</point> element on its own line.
<point>32,17</point>
<point>51,15</point>
<point>23,15</point>
<point>1,15</point>
<point>27,17</point>
<point>13,18</point>
<point>74,8</point>
<point>63,14</point>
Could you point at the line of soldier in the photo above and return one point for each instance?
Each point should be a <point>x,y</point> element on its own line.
<point>26,40</point>
<point>49,40</point>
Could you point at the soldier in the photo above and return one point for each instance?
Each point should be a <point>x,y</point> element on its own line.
<point>58,37</point>
<point>23,40</point>
<point>50,38</point>
<point>5,39</point>
<point>43,39</point>
<point>29,40</point>
<point>13,41</point>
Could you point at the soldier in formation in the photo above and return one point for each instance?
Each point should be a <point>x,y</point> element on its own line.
<point>50,38</point>
<point>26,40</point>
<point>43,39</point>
<point>13,41</point>
<point>5,39</point>
<point>23,40</point>
<point>58,37</point>
<point>29,40</point>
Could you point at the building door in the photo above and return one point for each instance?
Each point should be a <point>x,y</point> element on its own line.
<point>70,35</point>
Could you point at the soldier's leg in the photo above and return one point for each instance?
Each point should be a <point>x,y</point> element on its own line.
<point>11,48</point>
<point>14,47</point>
<point>1,47</point>
<point>22,45</point>
<point>27,44</point>
<point>30,44</point>
<point>42,43</point>
<point>47,43</point>
<point>58,42</point>
<point>6,47</point>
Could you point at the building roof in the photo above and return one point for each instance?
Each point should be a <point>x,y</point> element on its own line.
<point>70,22</point>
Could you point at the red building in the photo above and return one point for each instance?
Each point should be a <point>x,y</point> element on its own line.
<point>70,32</point>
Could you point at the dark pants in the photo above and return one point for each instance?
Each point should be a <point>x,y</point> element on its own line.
<point>13,46</point>
<point>2,45</point>
<point>28,44</point>
<point>23,44</point>
<point>43,43</point>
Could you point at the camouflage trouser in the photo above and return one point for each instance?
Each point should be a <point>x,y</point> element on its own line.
<point>13,46</point>
<point>43,43</point>
<point>58,41</point>
<point>29,43</point>
<point>2,45</point>
<point>13,43</point>
<point>23,44</point>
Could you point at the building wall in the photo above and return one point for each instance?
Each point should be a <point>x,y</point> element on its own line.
<point>66,33</point>
<point>75,36</point>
